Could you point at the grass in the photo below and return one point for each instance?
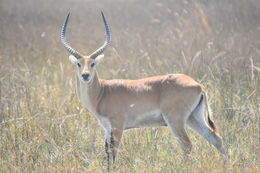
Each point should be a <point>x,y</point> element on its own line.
<point>44,127</point>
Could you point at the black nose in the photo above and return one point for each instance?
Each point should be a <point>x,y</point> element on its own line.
<point>85,76</point>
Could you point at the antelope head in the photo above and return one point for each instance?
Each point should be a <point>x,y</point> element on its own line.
<point>86,65</point>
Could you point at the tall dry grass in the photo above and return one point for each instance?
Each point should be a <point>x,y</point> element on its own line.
<point>44,128</point>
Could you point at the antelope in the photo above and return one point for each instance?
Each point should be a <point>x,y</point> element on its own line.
<point>172,100</point>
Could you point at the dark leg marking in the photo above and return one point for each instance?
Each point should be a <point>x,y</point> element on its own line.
<point>106,148</point>
<point>112,145</point>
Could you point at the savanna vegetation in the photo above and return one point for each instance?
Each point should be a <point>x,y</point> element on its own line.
<point>43,126</point>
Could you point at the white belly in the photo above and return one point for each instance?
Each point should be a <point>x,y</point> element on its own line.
<point>146,119</point>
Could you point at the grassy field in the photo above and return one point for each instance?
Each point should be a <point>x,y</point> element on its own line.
<point>43,126</point>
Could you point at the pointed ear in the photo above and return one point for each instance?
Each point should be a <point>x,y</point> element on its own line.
<point>99,58</point>
<point>73,59</point>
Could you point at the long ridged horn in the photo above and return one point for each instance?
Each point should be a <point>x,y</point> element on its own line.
<point>64,41</point>
<point>107,41</point>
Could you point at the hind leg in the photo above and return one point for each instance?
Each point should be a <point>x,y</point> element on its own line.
<point>197,122</point>
<point>177,127</point>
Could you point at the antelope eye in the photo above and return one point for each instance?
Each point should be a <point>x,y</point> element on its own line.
<point>79,65</point>
<point>92,64</point>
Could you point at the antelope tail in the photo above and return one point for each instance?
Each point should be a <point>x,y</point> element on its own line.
<point>210,121</point>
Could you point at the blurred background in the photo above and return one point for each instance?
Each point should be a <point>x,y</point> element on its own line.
<point>43,126</point>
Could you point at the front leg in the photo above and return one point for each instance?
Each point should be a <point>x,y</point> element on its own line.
<point>112,144</point>
<point>108,151</point>
<point>116,135</point>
